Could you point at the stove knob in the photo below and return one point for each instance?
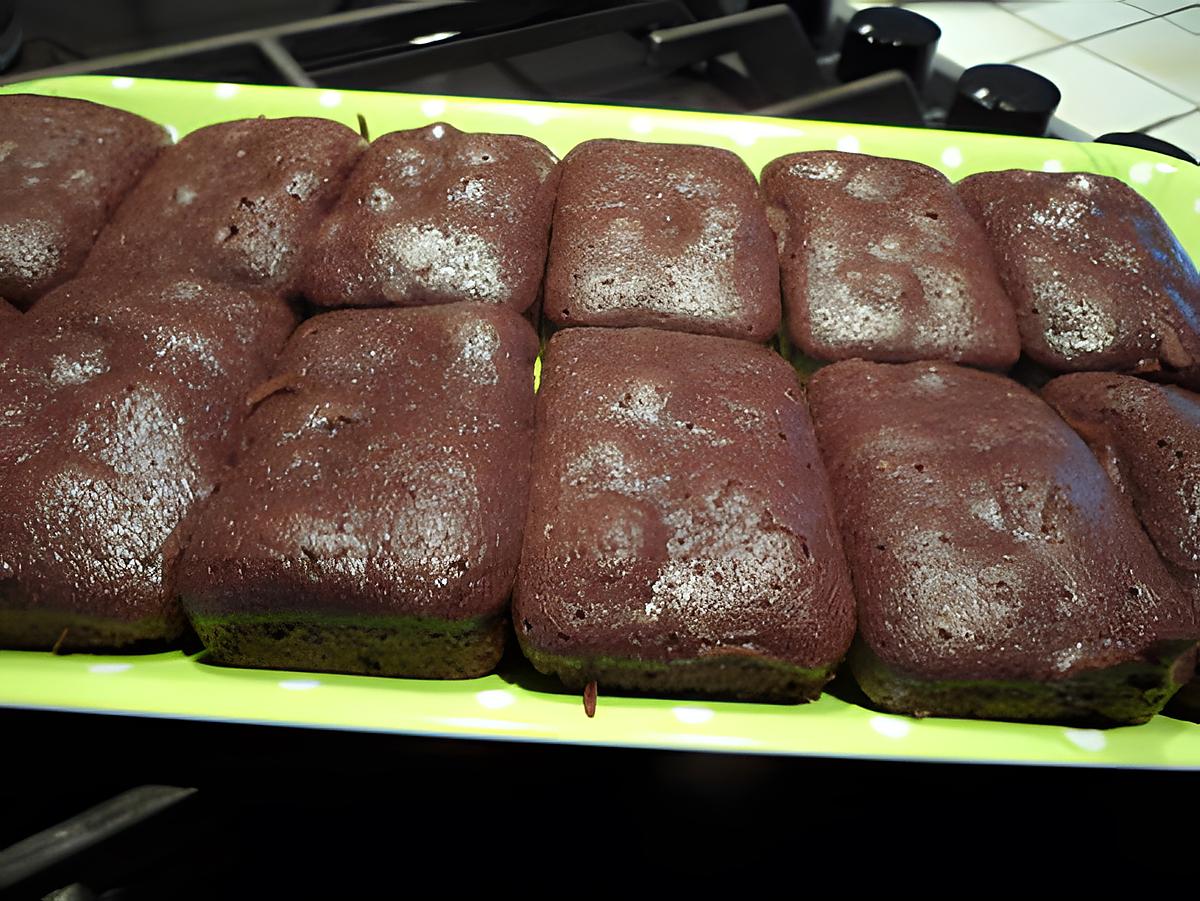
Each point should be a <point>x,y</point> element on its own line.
<point>886,37</point>
<point>1145,142</point>
<point>1003,99</point>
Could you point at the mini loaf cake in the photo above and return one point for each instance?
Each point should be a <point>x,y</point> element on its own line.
<point>881,261</point>
<point>1098,280</point>
<point>372,523</point>
<point>7,310</point>
<point>670,236</point>
<point>1147,437</point>
<point>680,536</point>
<point>233,203</point>
<point>435,216</point>
<point>64,167</point>
<point>998,571</point>
<point>121,406</point>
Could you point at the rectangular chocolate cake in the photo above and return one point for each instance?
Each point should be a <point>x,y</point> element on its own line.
<point>665,235</point>
<point>680,537</point>
<point>998,572</point>
<point>434,215</point>
<point>64,166</point>
<point>881,261</point>
<point>121,404</point>
<point>1098,279</point>
<point>372,522</point>
<point>236,203</point>
<point>1147,437</point>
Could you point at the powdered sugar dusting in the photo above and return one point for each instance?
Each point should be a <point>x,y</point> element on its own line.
<point>77,370</point>
<point>439,260</point>
<point>28,249</point>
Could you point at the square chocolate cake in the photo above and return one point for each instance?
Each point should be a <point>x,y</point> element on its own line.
<point>434,215</point>
<point>121,406</point>
<point>881,261</point>
<point>372,522</point>
<point>680,537</point>
<point>64,166</point>
<point>236,203</point>
<point>665,235</point>
<point>1098,279</point>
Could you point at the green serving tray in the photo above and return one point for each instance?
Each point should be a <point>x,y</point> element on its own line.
<point>517,703</point>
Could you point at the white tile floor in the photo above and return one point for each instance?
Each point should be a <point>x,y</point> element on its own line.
<point>1122,65</point>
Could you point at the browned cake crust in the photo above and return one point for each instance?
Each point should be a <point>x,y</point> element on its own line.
<point>663,235</point>
<point>234,203</point>
<point>998,571</point>
<point>372,523</point>
<point>1098,279</point>
<point>64,167</point>
<point>680,536</point>
<point>433,216</point>
<point>881,261</point>
<point>121,405</point>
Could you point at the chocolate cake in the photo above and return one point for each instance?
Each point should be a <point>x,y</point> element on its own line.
<point>233,203</point>
<point>1098,280</point>
<point>7,310</point>
<point>372,523</point>
<point>998,572</point>
<point>663,235</point>
<point>121,405</point>
<point>680,537</point>
<point>881,261</point>
<point>433,216</point>
<point>1147,436</point>
<point>64,167</point>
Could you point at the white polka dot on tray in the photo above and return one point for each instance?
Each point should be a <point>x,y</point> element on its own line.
<point>300,684</point>
<point>744,133</point>
<point>1141,172</point>
<point>890,726</point>
<point>538,115</point>
<point>1052,166</point>
<point>224,90</point>
<point>109,667</point>
<point>1165,168</point>
<point>641,124</point>
<point>848,144</point>
<point>330,98</point>
<point>433,108</point>
<point>122,82</point>
<point>1087,739</point>
<point>172,131</point>
<point>495,698</point>
<point>952,157</point>
<point>1196,205</point>
<point>692,716</point>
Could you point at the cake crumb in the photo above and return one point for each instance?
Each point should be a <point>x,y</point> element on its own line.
<point>589,698</point>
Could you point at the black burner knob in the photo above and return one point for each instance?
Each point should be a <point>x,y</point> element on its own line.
<point>886,37</point>
<point>1145,142</point>
<point>1004,100</point>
